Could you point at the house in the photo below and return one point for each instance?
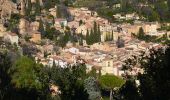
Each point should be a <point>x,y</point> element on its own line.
<point>34,26</point>
<point>23,26</point>
<point>150,27</point>
<point>73,50</point>
<point>61,22</point>
<point>35,36</point>
<point>11,38</point>
<point>47,48</point>
<point>2,34</point>
<point>107,66</point>
<point>2,28</point>
<point>58,61</point>
<point>52,11</point>
<point>168,35</point>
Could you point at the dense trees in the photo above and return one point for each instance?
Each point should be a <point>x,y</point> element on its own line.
<point>95,32</point>
<point>153,82</point>
<point>19,81</point>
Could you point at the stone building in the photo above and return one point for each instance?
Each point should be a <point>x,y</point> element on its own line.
<point>7,7</point>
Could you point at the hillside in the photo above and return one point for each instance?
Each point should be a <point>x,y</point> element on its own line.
<point>152,10</point>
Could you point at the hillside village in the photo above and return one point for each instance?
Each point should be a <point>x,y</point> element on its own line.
<point>73,49</point>
<point>105,55</point>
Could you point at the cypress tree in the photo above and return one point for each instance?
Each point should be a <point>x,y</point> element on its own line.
<point>99,34</point>
<point>87,37</point>
<point>41,27</point>
<point>38,8</point>
<point>29,8</point>
<point>92,35</point>
<point>112,36</point>
<point>81,39</point>
<point>58,12</point>
<point>95,33</point>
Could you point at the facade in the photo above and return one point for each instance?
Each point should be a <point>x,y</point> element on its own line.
<point>35,36</point>
<point>11,38</point>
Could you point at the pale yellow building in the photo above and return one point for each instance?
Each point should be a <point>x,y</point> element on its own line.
<point>35,37</point>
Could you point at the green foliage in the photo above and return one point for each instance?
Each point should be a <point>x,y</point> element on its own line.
<point>153,83</point>
<point>128,91</point>
<point>13,22</point>
<point>24,74</point>
<point>141,33</point>
<point>92,88</point>
<point>70,81</point>
<point>18,79</point>
<point>95,32</point>
<point>152,10</point>
<point>5,79</point>
<point>80,22</point>
<point>37,7</point>
<point>110,82</point>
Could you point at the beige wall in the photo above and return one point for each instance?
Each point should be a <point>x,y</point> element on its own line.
<point>36,38</point>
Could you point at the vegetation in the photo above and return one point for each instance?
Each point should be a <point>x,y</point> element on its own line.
<point>110,82</point>
<point>95,32</point>
<point>152,10</point>
<point>154,78</point>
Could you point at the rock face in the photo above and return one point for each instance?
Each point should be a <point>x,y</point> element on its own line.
<point>7,7</point>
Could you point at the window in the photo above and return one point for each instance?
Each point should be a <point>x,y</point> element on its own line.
<point>108,64</point>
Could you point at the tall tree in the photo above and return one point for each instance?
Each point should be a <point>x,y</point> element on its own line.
<point>111,82</point>
<point>153,82</point>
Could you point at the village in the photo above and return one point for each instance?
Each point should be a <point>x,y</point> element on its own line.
<point>105,56</point>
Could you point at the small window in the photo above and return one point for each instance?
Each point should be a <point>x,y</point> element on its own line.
<point>108,64</point>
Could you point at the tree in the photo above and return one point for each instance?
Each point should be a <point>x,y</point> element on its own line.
<point>99,33</point>
<point>120,42</point>
<point>80,22</point>
<point>70,81</point>
<point>5,78</point>
<point>81,39</point>
<point>29,8</point>
<point>41,28</point>
<point>92,88</point>
<point>110,82</point>
<point>37,7</point>
<point>92,39</point>
<point>88,37</point>
<point>168,2</point>
<point>24,74</point>
<point>153,82</point>
<point>128,91</point>
<point>112,37</point>
<point>58,12</point>
<point>141,33</point>
<point>95,31</point>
